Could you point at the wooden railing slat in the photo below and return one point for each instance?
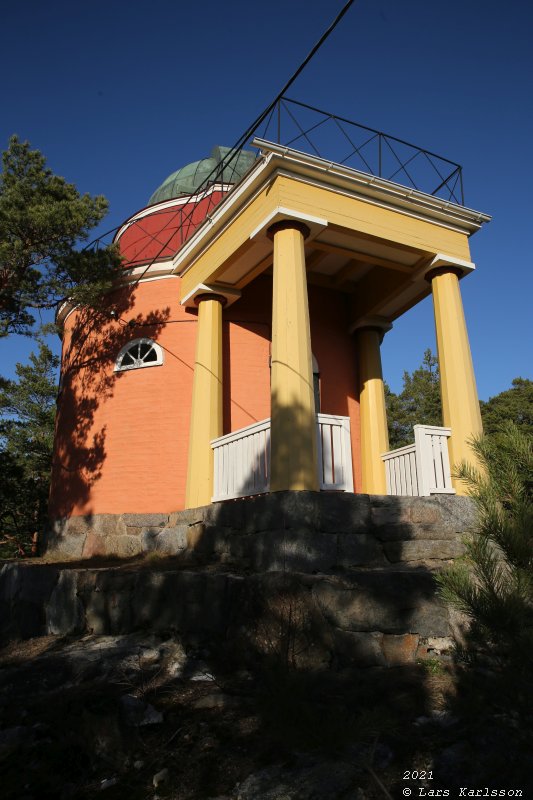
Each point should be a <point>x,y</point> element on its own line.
<point>242,458</point>
<point>421,469</point>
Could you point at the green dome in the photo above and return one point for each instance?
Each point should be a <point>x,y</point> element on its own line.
<point>188,179</point>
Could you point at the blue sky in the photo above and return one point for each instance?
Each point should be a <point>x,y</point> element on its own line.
<point>119,94</point>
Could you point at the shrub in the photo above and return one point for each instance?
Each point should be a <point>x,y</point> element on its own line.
<point>493,583</point>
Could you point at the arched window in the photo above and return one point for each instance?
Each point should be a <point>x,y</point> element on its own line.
<point>139,353</point>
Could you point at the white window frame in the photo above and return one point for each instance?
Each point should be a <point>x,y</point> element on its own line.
<point>139,363</point>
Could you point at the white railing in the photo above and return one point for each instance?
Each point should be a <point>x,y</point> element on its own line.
<point>242,458</point>
<point>401,471</point>
<point>334,453</point>
<point>242,462</point>
<point>423,468</point>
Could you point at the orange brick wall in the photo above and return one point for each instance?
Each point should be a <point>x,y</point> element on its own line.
<point>334,349</point>
<point>122,438</point>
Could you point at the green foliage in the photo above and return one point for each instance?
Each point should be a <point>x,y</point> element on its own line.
<point>42,219</point>
<point>419,402</point>
<point>493,584</point>
<point>27,418</point>
<point>515,404</point>
<point>433,666</point>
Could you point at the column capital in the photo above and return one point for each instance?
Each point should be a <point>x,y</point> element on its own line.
<point>443,264</point>
<point>288,224</point>
<point>227,295</point>
<point>379,324</point>
<point>210,296</point>
<point>436,271</point>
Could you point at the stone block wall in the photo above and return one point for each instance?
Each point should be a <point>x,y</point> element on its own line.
<point>348,579</point>
<point>363,618</point>
<point>304,531</point>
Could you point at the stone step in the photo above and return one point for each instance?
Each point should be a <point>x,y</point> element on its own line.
<point>365,617</point>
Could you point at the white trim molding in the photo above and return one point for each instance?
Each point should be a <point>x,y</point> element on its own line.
<point>383,189</point>
<point>316,224</point>
<point>283,161</point>
<point>229,293</point>
<point>442,260</point>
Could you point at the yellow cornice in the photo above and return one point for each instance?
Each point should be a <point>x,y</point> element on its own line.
<point>343,181</point>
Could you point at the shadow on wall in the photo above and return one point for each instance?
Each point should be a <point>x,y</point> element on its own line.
<point>87,383</point>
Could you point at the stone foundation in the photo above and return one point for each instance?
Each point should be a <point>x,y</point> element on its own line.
<point>304,531</point>
<point>321,621</point>
<point>333,579</point>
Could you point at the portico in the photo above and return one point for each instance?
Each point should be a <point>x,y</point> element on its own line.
<point>381,247</point>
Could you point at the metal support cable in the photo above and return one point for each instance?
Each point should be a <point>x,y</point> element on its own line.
<point>253,127</point>
<point>295,75</point>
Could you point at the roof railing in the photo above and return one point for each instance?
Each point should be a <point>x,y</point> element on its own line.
<point>301,126</point>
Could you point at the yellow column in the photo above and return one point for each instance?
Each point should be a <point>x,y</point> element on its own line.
<point>293,444</point>
<point>373,413</point>
<point>460,403</point>
<point>206,412</point>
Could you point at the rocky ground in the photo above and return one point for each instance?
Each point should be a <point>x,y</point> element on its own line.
<point>143,716</point>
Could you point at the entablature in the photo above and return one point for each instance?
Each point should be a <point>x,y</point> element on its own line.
<point>369,237</point>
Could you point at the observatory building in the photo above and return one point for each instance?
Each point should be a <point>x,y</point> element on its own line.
<point>240,352</point>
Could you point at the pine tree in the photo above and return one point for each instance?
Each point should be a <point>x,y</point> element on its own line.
<point>419,402</point>
<point>42,220</point>
<point>27,418</point>
<point>493,584</point>
<point>515,404</point>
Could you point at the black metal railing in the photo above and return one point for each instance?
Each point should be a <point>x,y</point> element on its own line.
<point>328,136</point>
<point>338,140</point>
